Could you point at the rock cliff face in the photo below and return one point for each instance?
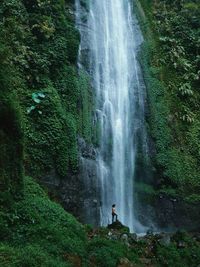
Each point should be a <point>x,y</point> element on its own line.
<point>167,213</point>
<point>172,198</point>
<point>176,213</point>
<point>79,193</point>
<point>40,56</point>
<point>46,103</point>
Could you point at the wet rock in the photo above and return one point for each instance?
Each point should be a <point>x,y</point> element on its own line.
<point>150,231</point>
<point>109,233</point>
<point>114,237</point>
<point>124,238</point>
<point>196,237</point>
<point>170,213</point>
<point>132,238</point>
<point>181,244</point>
<point>164,239</point>
<point>78,192</point>
<point>86,150</point>
<point>118,226</point>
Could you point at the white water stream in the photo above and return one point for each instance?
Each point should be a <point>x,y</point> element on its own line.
<point>110,39</point>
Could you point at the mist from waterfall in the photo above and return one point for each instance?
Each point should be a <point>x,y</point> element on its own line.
<point>110,40</point>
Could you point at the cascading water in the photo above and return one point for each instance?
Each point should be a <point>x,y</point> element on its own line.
<point>110,41</point>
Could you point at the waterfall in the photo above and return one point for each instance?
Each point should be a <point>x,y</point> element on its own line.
<point>110,40</point>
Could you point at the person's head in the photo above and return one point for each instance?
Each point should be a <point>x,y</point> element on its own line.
<point>113,205</point>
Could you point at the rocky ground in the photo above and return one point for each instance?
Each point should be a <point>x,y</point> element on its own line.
<point>153,249</point>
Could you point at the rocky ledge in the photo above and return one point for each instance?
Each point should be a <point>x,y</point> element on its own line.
<point>152,248</point>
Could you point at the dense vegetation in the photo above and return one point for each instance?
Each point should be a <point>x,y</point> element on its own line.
<point>45,104</point>
<point>170,60</point>
<point>42,93</point>
<point>38,232</point>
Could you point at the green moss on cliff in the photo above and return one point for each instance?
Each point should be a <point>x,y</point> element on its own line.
<point>40,57</point>
<point>11,147</point>
<point>11,132</point>
<point>170,63</point>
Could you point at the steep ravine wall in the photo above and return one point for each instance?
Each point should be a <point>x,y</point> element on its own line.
<point>46,123</point>
<point>167,200</point>
<point>46,103</point>
<point>71,163</point>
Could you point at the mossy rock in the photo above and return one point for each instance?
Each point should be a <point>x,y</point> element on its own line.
<point>119,227</point>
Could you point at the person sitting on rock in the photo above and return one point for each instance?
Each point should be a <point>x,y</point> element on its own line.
<point>114,215</point>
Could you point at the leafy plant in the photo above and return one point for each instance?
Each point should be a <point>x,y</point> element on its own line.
<point>37,98</point>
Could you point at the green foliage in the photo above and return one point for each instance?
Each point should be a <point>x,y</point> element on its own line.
<point>38,63</point>
<point>170,64</point>
<point>11,146</point>
<point>86,108</point>
<point>39,231</point>
<point>28,256</point>
<point>193,199</point>
<point>188,255</point>
<point>37,98</point>
<point>145,188</point>
<point>105,253</point>
<point>53,131</point>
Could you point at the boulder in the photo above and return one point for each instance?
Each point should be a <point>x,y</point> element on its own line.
<point>118,226</point>
<point>164,239</point>
<point>132,238</point>
<point>125,239</point>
